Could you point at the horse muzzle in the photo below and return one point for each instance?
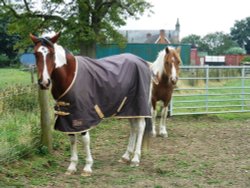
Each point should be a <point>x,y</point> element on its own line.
<point>44,84</point>
<point>174,80</point>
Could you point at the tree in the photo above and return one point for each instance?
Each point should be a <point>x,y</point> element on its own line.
<point>217,43</point>
<point>82,22</point>
<point>7,52</point>
<point>214,43</point>
<point>193,39</point>
<point>240,32</point>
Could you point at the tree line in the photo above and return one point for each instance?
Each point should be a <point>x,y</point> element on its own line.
<point>219,43</point>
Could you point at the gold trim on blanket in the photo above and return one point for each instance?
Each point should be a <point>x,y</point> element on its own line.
<point>99,111</point>
<point>129,117</point>
<point>73,81</point>
<point>122,104</point>
<point>79,132</point>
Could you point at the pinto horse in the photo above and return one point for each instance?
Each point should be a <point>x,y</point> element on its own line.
<point>165,70</point>
<point>87,90</point>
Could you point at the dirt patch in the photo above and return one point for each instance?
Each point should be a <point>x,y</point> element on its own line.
<point>201,151</point>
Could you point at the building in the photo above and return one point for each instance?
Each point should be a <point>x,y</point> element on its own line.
<point>154,36</point>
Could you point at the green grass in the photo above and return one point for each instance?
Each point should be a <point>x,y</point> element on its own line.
<point>13,76</point>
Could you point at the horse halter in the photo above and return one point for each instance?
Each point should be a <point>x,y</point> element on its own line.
<point>45,40</point>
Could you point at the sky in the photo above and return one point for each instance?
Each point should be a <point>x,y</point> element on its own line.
<point>199,17</point>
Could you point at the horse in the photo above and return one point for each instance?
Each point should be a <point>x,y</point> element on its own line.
<point>88,90</point>
<point>166,71</point>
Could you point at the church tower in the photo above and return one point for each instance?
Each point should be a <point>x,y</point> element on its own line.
<point>177,31</point>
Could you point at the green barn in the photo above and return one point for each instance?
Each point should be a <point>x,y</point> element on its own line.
<point>148,52</point>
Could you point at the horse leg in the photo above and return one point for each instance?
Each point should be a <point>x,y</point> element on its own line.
<point>164,113</point>
<point>140,124</point>
<point>87,170</point>
<point>154,115</point>
<point>74,157</point>
<point>131,144</point>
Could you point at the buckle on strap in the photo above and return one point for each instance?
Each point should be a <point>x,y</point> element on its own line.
<point>62,103</point>
<point>61,113</point>
<point>61,107</point>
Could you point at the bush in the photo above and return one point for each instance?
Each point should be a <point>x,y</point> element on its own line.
<point>245,59</point>
<point>236,51</point>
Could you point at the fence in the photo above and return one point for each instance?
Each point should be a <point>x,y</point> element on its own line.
<point>212,89</point>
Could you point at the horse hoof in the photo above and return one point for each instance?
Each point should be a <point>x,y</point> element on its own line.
<point>164,135</point>
<point>86,174</point>
<point>134,164</point>
<point>124,161</point>
<point>70,172</point>
<point>153,134</point>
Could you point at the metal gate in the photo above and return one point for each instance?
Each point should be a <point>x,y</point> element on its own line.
<point>211,89</point>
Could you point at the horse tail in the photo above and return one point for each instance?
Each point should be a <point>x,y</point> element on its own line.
<point>147,133</point>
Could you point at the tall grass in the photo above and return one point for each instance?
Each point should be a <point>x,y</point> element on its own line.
<point>19,111</point>
<point>19,123</point>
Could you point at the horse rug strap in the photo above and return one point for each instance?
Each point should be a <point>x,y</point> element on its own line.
<point>113,86</point>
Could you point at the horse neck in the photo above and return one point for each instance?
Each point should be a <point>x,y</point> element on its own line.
<point>165,82</point>
<point>63,76</point>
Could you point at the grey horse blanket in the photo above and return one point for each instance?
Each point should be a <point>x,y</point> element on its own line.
<point>113,86</point>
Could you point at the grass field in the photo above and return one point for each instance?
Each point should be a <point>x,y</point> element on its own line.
<point>11,76</point>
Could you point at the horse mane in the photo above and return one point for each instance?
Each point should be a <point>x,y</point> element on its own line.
<point>158,64</point>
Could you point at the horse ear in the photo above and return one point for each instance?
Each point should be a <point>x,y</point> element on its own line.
<point>167,50</point>
<point>34,38</point>
<point>55,38</point>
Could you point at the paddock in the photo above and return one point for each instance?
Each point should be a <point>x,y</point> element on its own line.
<point>201,151</point>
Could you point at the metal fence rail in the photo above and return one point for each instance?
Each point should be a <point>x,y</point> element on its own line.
<point>212,89</point>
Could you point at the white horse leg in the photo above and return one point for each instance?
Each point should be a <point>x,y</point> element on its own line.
<point>131,144</point>
<point>154,115</point>
<point>74,158</point>
<point>87,170</point>
<point>164,113</point>
<point>141,124</point>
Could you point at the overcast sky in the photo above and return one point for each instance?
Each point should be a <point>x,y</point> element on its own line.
<point>198,17</point>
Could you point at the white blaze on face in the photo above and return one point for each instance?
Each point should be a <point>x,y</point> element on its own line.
<point>45,75</point>
<point>174,73</point>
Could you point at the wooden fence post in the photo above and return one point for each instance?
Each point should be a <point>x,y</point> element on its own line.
<point>46,136</point>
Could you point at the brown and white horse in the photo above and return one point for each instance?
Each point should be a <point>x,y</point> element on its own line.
<point>165,70</point>
<point>61,69</point>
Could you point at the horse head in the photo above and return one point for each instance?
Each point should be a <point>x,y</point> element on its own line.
<point>172,62</point>
<point>49,56</point>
